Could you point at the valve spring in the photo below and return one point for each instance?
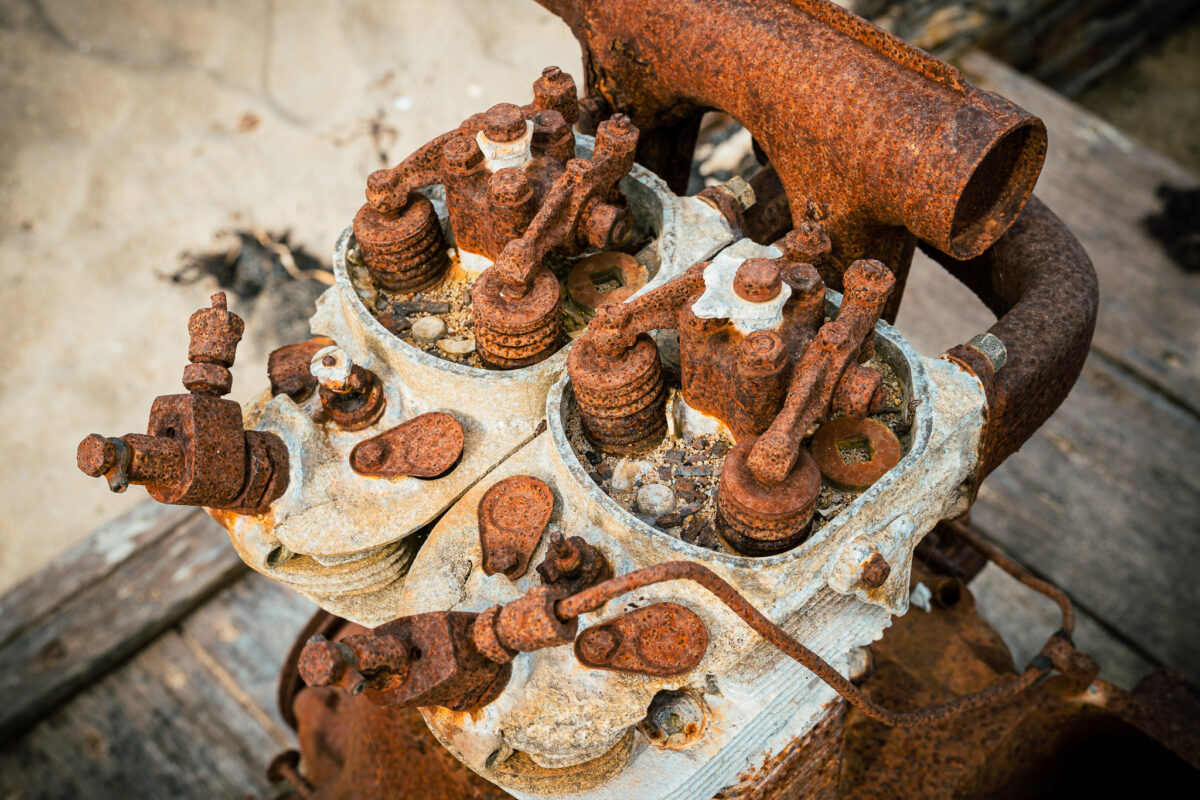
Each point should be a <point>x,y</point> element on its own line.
<point>758,520</point>
<point>622,401</point>
<point>513,332</point>
<point>405,250</point>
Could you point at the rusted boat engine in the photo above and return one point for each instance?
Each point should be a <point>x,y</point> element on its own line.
<point>612,483</point>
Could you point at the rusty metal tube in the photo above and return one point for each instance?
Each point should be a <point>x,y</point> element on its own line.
<point>1041,285</point>
<point>867,133</point>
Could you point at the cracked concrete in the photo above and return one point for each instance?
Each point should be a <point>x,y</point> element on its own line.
<point>134,131</point>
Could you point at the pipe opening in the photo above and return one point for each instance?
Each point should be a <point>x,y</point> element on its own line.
<point>998,189</point>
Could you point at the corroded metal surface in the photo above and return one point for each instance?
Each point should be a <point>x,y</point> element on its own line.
<point>756,355</point>
<point>882,446</point>
<point>759,520</point>
<point>512,516</point>
<point>195,451</point>
<point>289,368</point>
<point>427,446</point>
<point>515,192</point>
<point>949,163</point>
<point>868,145</point>
<point>606,277</point>
<point>352,396</point>
<point>572,565</point>
<point>404,248</point>
<point>659,639</point>
<point>424,659</point>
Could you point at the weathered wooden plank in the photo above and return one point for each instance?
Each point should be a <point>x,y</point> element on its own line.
<point>62,649</point>
<point>1104,500</point>
<point>161,726</point>
<point>247,630</point>
<point>85,563</point>
<point>1102,184</point>
<point>1064,43</point>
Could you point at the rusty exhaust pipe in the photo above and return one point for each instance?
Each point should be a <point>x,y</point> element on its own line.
<point>877,140</point>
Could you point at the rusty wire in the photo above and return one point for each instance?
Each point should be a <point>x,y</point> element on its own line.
<point>595,597</point>
<point>972,537</point>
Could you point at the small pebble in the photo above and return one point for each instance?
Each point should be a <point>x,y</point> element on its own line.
<point>429,329</point>
<point>664,473</point>
<point>692,472</point>
<point>684,484</point>
<point>456,347</point>
<point>656,500</point>
<point>673,456</point>
<point>627,473</point>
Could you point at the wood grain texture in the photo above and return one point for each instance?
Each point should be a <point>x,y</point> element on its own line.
<point>1105,499</point>
<point>85,563</point>
<point>71,633</point>
<point>191,715</point>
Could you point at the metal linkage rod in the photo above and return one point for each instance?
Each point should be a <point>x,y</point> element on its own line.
<point>595,597</point>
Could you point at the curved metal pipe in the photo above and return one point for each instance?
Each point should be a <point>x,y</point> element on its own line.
<point>1042,287</point>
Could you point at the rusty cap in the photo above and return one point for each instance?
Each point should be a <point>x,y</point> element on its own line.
<point>758,280</point>
<point>503,123</point>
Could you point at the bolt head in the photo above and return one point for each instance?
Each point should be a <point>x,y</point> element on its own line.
<point>96,455</point>
<point>599,645</point>
<point>503,123</point>
<point>758,280</point>
<point>372,453</point>
<point>322,663</point>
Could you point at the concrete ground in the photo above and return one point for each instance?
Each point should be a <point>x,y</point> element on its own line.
<point>135,130</point>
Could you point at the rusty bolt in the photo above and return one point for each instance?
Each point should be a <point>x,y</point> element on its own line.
<point>326,663</point>
<point>96,455</point>
<point>758,280</point>
<point>509,186</point>
<point>763,351</point>
<point>606,226</point>
<point>530,623</point>
<point>380,186</point>
<point>598,645</point>
<point>808,243</point>
<point>461,154</point>
<point>875,570</point>
<point>503,123</point>
<point>565,552</point>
